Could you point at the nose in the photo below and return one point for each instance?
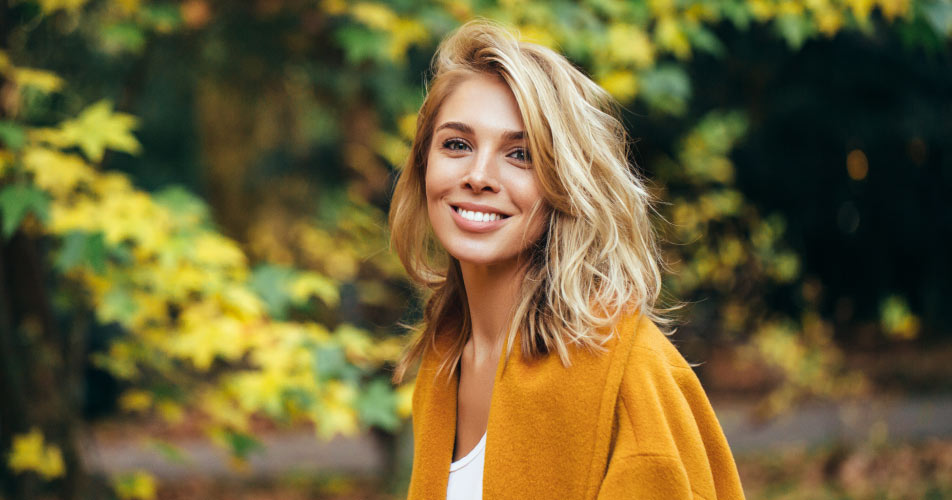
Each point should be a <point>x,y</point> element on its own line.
<point>481,175</point>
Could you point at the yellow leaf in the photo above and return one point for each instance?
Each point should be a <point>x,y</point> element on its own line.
<point>334,7</point>
<point>403,34</point>
<point>50,6</point>
<point>790,8</point>
<point>242,303</point>
<point>828,21</point>
<point>224,411</point>
<point>762,9</point>
<point>405,400</point>
<point>171,412</point>
<point>668,34</point>
<point>95,129</point>
<point>892,9</point>
<point>7,160</point>
<point>139,485</point>
<point>56,172</point>
<point>630,44</point>
<point>407,126</point>
<point>5,64</point>
<point>356,342</point>
<point>135,400</point>
<point>337,414</point>
<point>374,15</point>
<point>661,7</point>
<point>44,81</point>
<point>861,9</point>
<point>534,34</point>
<point>621,84</point>
<point>30,453</point>
<point>309,283</point>
<point>215,250</point>
<point>128,6</point>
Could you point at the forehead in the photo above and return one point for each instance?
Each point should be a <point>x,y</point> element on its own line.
<point>484,102</point>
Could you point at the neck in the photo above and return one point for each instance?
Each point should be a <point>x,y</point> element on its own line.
<point>491,292</point>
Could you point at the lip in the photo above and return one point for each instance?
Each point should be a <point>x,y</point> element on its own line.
<point>474,226</point>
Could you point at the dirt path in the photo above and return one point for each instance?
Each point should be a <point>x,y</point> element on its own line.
<point>897,420</point>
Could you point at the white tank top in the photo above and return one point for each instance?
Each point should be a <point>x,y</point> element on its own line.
<point>466,475</point>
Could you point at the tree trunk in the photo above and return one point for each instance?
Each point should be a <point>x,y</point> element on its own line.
<point>41,366</point>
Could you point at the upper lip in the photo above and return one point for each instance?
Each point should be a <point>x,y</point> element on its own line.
<point>476,207</point>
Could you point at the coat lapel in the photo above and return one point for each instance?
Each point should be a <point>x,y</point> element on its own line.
<point>434,425</point>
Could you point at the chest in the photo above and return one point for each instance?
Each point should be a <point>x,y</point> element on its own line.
<point>474,396</point>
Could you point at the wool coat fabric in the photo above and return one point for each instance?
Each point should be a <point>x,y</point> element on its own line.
<point>629,423</point>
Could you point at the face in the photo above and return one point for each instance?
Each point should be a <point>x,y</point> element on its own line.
<point>480,185</point>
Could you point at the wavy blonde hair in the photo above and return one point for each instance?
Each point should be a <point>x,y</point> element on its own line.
<point>598,258</point>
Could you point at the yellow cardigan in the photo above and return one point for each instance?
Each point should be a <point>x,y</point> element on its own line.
<point>632,422</point>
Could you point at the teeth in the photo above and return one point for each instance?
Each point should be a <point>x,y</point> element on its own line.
<point>477,216</point>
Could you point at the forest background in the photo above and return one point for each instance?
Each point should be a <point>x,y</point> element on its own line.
<point>194,241</point>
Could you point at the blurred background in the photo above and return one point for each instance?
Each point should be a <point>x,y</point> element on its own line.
<point>197,299</point>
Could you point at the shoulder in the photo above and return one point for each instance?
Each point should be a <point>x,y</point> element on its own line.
<point>662,411</point>
<point>648,344</point>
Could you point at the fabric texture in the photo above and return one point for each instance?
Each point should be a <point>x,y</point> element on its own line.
<point>629,423</point>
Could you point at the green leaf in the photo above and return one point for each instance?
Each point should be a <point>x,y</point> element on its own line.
<point>271,284</point>
<point>939,14</point>
<point>703,39</point>
<point>330,363</point>
<point>666,88</point>
<point>185,206</point>
<point>16,201</point>
<point>162,17</point>
<point>123,37</point>
<point>794,29</point>
<point>118,306</point>
<point>12,135</point>
<point>80,249</point>
<point>377,405</point>
<point>242,444</point>
<point>361,44</point>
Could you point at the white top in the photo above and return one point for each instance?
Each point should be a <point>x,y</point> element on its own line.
<point>466,475</point>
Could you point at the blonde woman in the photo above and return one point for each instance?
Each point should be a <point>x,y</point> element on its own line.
<point>542,372</point>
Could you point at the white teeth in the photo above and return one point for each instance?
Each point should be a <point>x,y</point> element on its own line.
<point>478,216</point>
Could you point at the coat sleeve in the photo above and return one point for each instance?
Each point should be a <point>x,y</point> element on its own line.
<point>666,442</point>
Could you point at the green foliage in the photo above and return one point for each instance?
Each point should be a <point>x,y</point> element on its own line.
<point>18,200</point>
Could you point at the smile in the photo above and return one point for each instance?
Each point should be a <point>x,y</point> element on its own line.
<point>479,216</point>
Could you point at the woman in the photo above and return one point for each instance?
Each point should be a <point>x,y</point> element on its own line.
<point>518,209</point>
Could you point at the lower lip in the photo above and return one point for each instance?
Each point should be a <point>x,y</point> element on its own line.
<point>473,226</point>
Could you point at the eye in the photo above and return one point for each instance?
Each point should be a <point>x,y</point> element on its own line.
<point>520,154</point>
<point>455,145</point>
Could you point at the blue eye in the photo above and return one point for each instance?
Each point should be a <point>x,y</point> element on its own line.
<point>455,145</point>
<point>520,154</point>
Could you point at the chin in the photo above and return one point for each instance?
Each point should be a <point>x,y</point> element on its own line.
<point>480,258</point>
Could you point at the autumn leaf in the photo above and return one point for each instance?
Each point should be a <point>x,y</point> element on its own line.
<point>30,453</point>
<point>139,485</point>
<point>96,129</point>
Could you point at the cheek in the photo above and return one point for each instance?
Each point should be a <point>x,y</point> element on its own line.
<point>434,179</point>
<point>530,195</point>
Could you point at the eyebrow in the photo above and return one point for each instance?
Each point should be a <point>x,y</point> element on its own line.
<point>509,135</point>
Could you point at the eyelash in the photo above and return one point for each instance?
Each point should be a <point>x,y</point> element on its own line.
<point>453,145</point>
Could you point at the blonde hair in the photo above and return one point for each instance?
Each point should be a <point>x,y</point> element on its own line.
<point>598,258</point>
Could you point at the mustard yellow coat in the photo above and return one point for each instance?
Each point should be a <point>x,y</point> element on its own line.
<point>632,422</point>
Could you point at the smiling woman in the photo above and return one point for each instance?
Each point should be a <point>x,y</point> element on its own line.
<point>518,209</point>
<point>483,196</point>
